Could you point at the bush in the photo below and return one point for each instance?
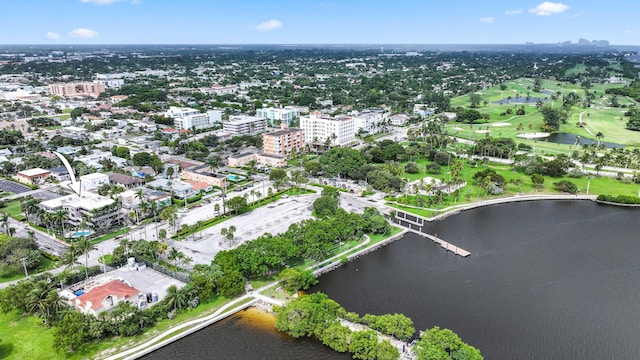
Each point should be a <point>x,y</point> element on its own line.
<point>432,168</point>
<point>565,186</point>
<point>412,168</point>
<point>620,199</point>
<point>442,158</point>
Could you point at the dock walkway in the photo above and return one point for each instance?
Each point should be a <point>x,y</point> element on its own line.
<point>415,224</point>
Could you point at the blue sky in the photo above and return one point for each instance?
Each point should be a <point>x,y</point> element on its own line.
<point>313,22</point>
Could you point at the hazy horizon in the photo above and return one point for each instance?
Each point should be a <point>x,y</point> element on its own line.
<point>253,22</point>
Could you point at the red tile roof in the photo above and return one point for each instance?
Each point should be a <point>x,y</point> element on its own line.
<point>97,295</point>
<point>197,185</point>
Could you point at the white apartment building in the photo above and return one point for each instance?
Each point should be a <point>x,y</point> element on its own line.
<point>176,112</point>
<point>100,212</point>
<point>110,83</point>
<point>187,118</point>
<point>318,128</point>
<point>93,181</point>
<point>369,120</point>
<point>244,125</point>
<point>283,115</point>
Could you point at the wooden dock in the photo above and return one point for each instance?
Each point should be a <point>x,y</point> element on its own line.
<point>445,245</point>
<point>415,223</point>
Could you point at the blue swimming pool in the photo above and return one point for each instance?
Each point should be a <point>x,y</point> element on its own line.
<point>234,177</point>
<point>78,234</point>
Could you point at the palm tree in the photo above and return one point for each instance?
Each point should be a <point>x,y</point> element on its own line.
<point>29,207</point>
<point>216,208</point>
<point>43,299</point>
<point>70,258</point>
<point>599,136</point>
<point>4,222</point>
<point>140,196</point>
<point>60,217</point>
<point>84,247</point>
<point>174,254</point>
<point>175,298</point>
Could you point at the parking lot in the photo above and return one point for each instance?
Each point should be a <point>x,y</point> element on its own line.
<point>147,280</point>
<point>273,218</point>
<point>10,186</point>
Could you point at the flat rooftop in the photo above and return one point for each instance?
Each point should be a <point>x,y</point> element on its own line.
<point>87,201</point>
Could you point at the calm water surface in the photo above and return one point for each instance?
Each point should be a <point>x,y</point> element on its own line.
<point>546,280</point>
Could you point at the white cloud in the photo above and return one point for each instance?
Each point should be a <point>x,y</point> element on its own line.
<point>269,25</point>
<point>548,8</point>
<point>486,20</point>
<point>52,35</point>
<point>513,12</point>
<point>83,33</point>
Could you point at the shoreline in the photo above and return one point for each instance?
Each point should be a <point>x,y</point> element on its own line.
<point>197,324</point>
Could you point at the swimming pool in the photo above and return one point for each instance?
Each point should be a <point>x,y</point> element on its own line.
<point>78,234</point>
<point>234,177</point>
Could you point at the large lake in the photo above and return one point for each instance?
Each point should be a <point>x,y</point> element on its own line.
<point>546,280</point>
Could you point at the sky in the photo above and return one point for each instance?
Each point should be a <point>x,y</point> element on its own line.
<point>317,22</point>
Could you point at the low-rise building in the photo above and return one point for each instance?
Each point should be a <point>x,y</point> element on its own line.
<point>105,297</point>
<point>244,125</point>
<point>369,120</point>
<point>178,188</point>
<point>35,176</point>
<point>77,89</point>
<point>399,119</point>
<point>243,159</point>
<point>203,173</point>
<point>60,173</point>
<point>99,213</point>
<point>126,181</point>
<point>423,110</point>
<point>188,118</point>
<point>93,181</point>
<point>281,115</point>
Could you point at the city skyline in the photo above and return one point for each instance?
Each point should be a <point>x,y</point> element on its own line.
<point>317,22</point>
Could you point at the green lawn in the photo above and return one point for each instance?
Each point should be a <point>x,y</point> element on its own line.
<point>25,338</point>
<point>12,208</point>
<point>472,193</point>
<point>45,265</point>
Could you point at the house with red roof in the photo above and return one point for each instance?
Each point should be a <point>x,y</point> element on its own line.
<point>105,297</point>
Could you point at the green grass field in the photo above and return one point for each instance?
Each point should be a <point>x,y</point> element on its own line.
<point>25,338</point>
<point>472,193</point>
<point>600,117</point>
<point>12,209</point>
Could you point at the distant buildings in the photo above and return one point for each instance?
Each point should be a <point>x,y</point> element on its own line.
<point>423,110</point>
<point>323,129</point>
<point>244,125</point>
<point>282,115</point>
<point>188,119</point>
<point>77,89</point>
